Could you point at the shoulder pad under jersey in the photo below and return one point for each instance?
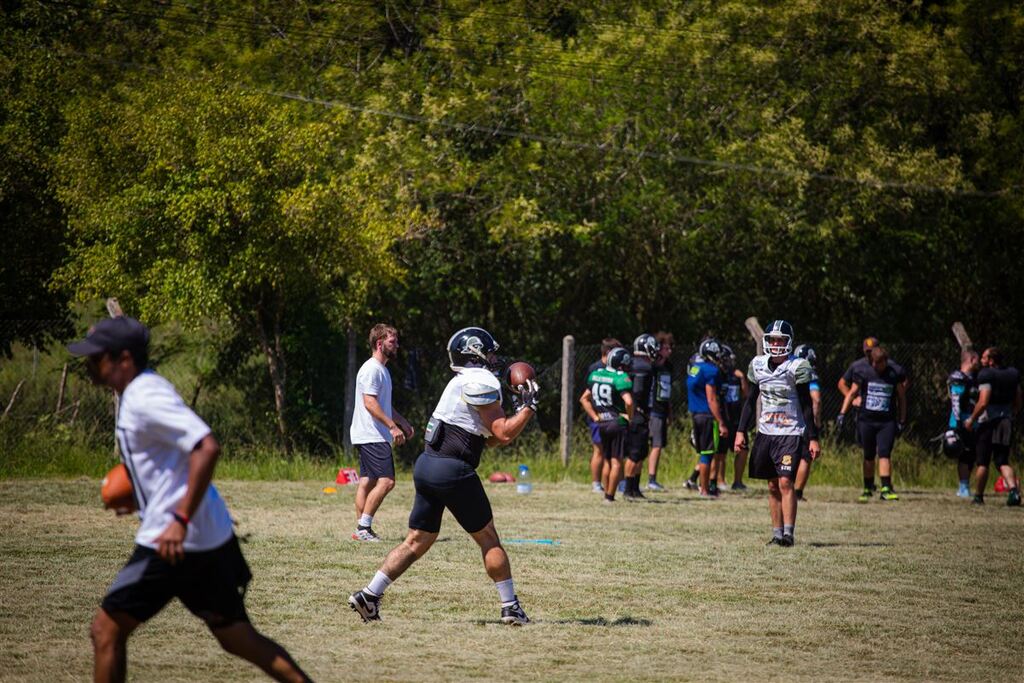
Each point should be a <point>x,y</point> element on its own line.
<point>478,394</point>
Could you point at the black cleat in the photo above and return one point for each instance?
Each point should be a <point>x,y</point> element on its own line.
<point>978,500</point>
<point>514,614</point>
<point>786,541</point>
<point>364,604</point>
<point>776,540</point>
<point>1013,500</point>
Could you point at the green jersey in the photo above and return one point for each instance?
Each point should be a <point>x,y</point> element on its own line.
<point>606,390</point>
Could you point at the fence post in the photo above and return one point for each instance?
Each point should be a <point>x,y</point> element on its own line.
<point>568,371</point>
<point>350,390</point>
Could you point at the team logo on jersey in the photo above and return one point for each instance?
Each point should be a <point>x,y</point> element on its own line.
<point>694,370</point>
<point>787,460</point>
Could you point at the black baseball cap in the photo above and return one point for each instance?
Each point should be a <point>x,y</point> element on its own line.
<point>112,334</point>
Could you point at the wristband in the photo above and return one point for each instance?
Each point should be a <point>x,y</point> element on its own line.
<point>180,518</point>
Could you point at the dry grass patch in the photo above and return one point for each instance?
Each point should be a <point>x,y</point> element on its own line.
<point>924,589</point>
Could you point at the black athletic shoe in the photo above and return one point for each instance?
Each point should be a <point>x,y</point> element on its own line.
<point>364,604</point>
<point>738,486</point>
<point>978,500</point>
<point>1013,500</point>
<point>786,541</point>
<point>774,541</point>
<point>514,614</point>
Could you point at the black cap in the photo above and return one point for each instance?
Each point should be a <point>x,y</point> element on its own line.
<point>112,334</point>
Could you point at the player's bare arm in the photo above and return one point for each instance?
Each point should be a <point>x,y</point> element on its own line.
<point>201,463</point>
<point>373,407</point>
<point>716,410</point>
<point>984,397</point>
<point>848,400</point>
<point>627,400</point>
<point>504,429</point>
<point>588,406</point>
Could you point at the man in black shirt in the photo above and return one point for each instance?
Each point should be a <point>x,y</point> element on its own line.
<point>661,406</point>
<point>882,389</point>
<point>641,371</point>
<point>847,380</point>
<point>999,399</point>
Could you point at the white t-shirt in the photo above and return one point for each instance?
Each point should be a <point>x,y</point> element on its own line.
<point>476,385</point>
<point>373,379</point>
<point>780,404</point>
<point>157,433</point>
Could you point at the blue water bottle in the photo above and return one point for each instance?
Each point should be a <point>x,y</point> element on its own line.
<point>523,484</point>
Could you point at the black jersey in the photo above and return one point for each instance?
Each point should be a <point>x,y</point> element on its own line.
<point>856,365</point>
<point>877,391</point>
<point>642,374</point>
<point>963,395</point>
<point>730,392</point>
<point>1003,382</point>
<point>662,390</point>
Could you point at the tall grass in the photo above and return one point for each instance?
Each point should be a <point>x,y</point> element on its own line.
<point>54,451</point>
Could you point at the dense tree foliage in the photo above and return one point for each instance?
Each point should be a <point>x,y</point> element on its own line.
<point>541,167</point>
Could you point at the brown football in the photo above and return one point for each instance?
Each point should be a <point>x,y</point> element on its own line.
<point>518,373</point>
<point>116,490</point>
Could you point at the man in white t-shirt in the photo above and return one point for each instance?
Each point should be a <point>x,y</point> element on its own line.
<point>186,546</point>
<point>375,426</point>
<point>467,418</point>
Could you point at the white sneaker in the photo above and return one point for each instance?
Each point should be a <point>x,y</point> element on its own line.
<point>365,535</point>
<point>655,486</point>
<point>597,488</point>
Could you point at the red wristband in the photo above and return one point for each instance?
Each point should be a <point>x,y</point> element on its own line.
<point>180,518</point>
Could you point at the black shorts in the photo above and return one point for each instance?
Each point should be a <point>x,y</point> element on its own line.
<point>211,584</point>
<point>876,438</point>
<point>659,431</point>
<point>636,442</point>
<point>451,483</point>
<point>613,439</point>
<point>968,453</point>
<point>726,445</point>
<point>993,442</point>
<point>376,460</point>
<point>704,436</point>
<point>775,455</point>
<point>805,451</point>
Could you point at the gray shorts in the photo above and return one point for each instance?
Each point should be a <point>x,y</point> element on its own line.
<point>376,460</point>
<point>658,425</point>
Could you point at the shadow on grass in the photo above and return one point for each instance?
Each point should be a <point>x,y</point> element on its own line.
<point>849,544</point>
<point>596,621</point>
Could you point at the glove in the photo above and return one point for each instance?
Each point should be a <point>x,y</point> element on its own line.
<point>526,396</point>
<point>839,421</point>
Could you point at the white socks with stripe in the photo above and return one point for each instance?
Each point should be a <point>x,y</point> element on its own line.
<point>378,584</point>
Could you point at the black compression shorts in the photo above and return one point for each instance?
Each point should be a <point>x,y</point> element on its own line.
<point>445,482</point>
<point>876,438</point>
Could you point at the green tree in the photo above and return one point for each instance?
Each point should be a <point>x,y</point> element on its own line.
<point>190,199</point>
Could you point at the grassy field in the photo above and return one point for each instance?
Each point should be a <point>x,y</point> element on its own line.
<point>924,589</point>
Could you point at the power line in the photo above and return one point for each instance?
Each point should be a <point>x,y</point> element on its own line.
<point>496,131</point>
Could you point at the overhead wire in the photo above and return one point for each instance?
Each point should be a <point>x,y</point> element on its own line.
<point>672,157</point>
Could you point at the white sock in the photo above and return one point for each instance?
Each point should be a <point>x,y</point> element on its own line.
<point>378,584</point>
<point>366,520</point>
<point>506,592</point>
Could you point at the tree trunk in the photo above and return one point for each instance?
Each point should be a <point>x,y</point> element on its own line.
<point>273,351</point>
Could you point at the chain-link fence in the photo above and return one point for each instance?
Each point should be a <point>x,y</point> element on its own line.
<point>42,389</point>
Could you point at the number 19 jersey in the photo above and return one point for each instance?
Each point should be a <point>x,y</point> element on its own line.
<point>606,389</point>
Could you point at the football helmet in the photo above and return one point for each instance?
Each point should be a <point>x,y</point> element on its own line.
<point>710,350</point>
<point>778,339</point>
<point>619,359</point>
<point>807,352</point>
<point>728,356</point>
<point>472,347</point>
<point>952,444</point>
<point>646,345</point>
